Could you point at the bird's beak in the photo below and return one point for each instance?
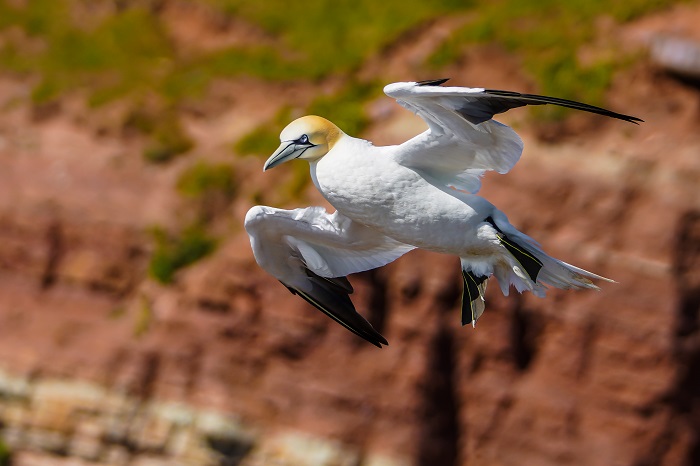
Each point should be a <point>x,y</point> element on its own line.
<point>286,151</point>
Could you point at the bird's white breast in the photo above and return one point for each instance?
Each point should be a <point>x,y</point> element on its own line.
<point>365,183</point>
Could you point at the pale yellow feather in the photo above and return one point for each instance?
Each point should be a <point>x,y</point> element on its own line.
<point>319,130</point>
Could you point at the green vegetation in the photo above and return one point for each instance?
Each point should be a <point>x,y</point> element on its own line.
<point>123,53</point>
<point>211,187</point>
<point>172,252</point>
<point>5,454</point>
<point>265,138</point>
<point>261,140</point>
<point>548,35</point>
<point>144,318</point>
<point>298,180</point>
<point>168,140</point>
<point>116,313</point>
<point>129,52</point>
<point>346,108</point>
<point>67,46</point>
<point>70,46</point>
<point>203,179</point>
<point>335,36</point>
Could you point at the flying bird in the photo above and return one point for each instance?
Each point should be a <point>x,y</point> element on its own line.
<point>419,194</point>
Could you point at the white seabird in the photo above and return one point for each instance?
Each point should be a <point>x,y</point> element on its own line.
<point>419,194</point>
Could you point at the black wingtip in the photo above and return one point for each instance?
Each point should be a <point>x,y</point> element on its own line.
<point>432,82</point>
<point>534,99</point>
<point>622,116</point>
<point>376,338</point>
<point>345,314</point>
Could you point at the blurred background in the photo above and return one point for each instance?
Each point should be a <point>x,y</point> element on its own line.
<point>136,328</point>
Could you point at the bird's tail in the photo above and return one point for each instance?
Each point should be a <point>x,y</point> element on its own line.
<point>525,266</point>
<point>532,269</point>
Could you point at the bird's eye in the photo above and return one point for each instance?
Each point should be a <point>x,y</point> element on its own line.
<point>304,139</point>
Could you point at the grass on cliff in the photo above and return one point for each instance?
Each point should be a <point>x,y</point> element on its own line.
<point>175,251</point>
<point>345,108</point>
<point>548,36</point>
<point>209,188</point>
<point>144,318</point>
<point>335,36</point>
<point>5,454</point>
<point>68,46</point>
<point>129,51</point>
<point>205,179</point>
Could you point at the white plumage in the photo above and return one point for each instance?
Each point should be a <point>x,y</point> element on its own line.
<point>419,194</point>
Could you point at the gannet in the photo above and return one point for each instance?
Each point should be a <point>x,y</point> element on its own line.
<point>419,194</point>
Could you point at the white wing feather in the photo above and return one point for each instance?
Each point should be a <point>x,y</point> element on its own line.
<point>310,252</point>
<point>454,152</point>
<point>330,245</point>
<point>462,140</point>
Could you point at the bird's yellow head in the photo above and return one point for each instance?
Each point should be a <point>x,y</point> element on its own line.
<point>309,137</point>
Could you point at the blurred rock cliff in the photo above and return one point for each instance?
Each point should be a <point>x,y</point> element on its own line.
<point>136,328</point>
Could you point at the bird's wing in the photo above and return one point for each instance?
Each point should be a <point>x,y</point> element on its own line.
<point>311,252</point>
<point>462,140</point>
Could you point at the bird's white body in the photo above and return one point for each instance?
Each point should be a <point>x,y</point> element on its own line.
<point>419,194</point>
<point>365,183</point>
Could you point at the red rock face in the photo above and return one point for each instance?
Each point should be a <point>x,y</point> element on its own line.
<point>579,378</point>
